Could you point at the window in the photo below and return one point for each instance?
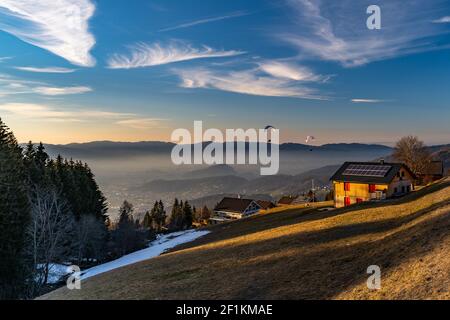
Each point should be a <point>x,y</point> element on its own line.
<point>359,200</point>
<point>403,174</point>
<point>347,201</point>
<point>403,189</point>
<point>395,190</point>
<point>346,186</point>
<point>372,188</point>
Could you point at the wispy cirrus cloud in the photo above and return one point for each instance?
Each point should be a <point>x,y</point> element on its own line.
<point>41,113</point>
<point>367,100</point>
<point>206,20</point>
<point>445,19</point>
<point>58,91</point>
<point>290,71</point>
<point>45,69</point>
<point>2,59</point>
<point>142,123</point>
<point>336,31</point>
<point>61,27</point>
<point>14,86</point>
<point>145,55</point>
<point>270,79</point>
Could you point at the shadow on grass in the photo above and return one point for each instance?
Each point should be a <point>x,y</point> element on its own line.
<point>294,216</point>
<point>324,273</point>
<point>303,265</point>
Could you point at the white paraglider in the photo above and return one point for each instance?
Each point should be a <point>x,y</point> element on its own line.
<point>309,139</point>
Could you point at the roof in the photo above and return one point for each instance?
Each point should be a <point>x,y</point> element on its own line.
<point>264,204</point>
<point>287,199</point>
<point>435,168</point>
<point>369,172</point>
<point>233,205</point>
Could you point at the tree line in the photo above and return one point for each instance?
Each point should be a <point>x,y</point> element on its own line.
<point>53,211</point>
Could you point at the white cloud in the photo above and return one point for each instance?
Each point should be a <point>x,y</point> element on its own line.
<point>41,113</point>
<point>13,86</point>
<point>2,59</point>
<point>207,20</point>
<point>366,100</point>
<point>141,123</point>
<point>290,71</point>
<point>336,30</point>
<point>251,82</point>
<point>46,69</point>
<point>59,26</point>
<point>442,20</point>
<point>144,55</point>
<point>57,91</point>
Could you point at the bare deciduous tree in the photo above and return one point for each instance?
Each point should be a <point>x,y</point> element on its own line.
<point>49,230</point>
<point>412,152</point>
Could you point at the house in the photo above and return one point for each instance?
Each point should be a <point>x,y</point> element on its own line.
<point>266,205</point>
<point>233,209</point>
<point>291,201</point>
<point>356,182</point>
<point>434,171</point>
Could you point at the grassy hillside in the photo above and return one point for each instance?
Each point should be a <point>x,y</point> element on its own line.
<point>301,254</point>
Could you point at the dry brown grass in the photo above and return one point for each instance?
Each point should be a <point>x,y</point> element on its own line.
<point>301,254</point>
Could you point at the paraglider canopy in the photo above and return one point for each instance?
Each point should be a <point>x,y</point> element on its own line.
<point>269,127</point>
<point>309,139</point>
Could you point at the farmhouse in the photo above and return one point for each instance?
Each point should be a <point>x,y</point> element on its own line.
<point>233,209</point>
<point>433,171</point>
<point>290,201</point>
<point>266,205</point>
<point>357,182</point>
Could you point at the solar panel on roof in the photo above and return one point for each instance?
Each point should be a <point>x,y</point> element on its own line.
<point>366,170</point>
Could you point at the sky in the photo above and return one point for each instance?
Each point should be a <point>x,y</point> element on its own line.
<point>84,70</point>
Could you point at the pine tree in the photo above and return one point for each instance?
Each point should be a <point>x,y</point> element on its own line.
<point>147,223</point>
<point>158,216</point>
<point>125,214</point>
<point>202,215</point>
<point>188,216</point>
<point>176,217</point>
<point>14,216</point>
<point>126,236</point>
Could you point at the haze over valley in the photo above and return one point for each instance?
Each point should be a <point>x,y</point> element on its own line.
<point>143,172</point>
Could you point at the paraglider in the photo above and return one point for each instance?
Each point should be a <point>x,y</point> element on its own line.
<point>309,139</point>
<point>269,127</point>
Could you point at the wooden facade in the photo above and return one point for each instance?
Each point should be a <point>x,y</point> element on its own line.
<point>349,191</point>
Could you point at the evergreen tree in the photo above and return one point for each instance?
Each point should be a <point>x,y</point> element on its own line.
<point>188,216</point>
<point>127,238</point>
<point>158,216</point>
<point>202,215</point>
<point>125,214</point>
<point>176,217</point>
<point>147,223</point>
<point>14,216</point>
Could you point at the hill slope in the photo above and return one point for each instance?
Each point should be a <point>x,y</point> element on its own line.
<point>301,254</point>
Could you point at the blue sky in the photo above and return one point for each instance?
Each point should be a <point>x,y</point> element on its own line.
<point>83,70</point>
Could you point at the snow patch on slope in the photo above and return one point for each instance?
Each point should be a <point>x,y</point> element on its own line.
<point>156,248</point>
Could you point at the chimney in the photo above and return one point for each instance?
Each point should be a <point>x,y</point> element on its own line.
<point>381,161</point>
